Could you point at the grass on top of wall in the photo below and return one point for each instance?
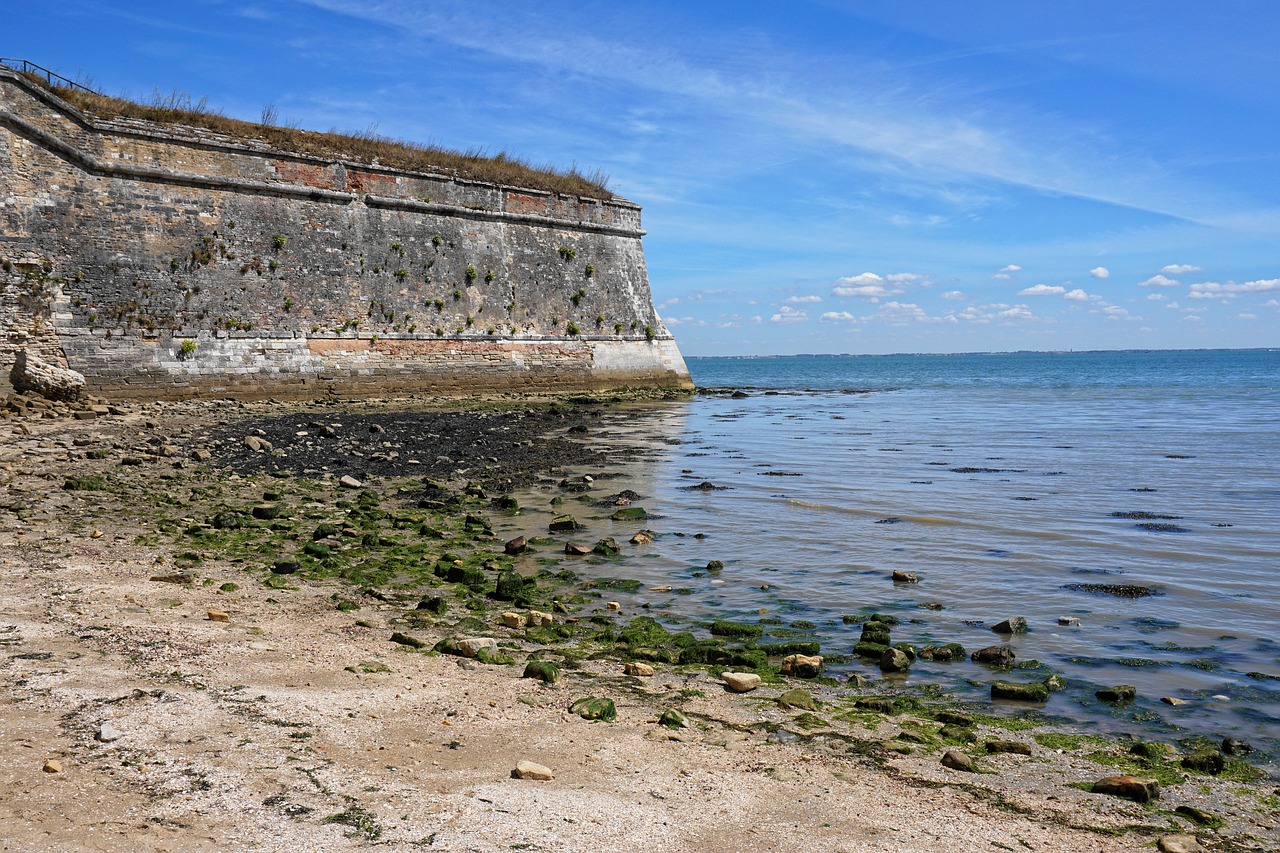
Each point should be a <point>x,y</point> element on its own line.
<point>179,109</point>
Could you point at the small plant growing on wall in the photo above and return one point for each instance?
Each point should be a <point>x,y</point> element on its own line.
<point>567,253</point>
<point>273,265</point>
<point>187,348</point>
<point>288,304</point>
<point>589,270</point>
<point>649,333</point>
<point>398,249</point>
<point>402,273</point>
<point>457,294</point>
<point>572,328</point>
<point>471,274</point>
<point>617,328</point>
<point>489,277</point>
<point>279,241</point>
<point>576,299</point>
<point>437,241</point>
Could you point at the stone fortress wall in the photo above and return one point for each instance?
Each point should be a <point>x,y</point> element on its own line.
<point>168,262</point>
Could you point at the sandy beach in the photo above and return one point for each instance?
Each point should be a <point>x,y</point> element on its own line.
<point>167,682</point>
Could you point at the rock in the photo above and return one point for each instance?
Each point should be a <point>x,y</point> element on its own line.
<point>510,586</point>
<point>1013,625</point>
<point>856,680</point>
<point>538,619</point>
<point>179,577</point>
<point>1128,787</point>
<point>256,443</point>
<point>613,605</point>
<point>801,666</point>
<point>1198,816</point>
<point>514,620</point>
<point>516,546</point>
<point>108,733</point>
<point>1034,692</point>
<point>879,704</point>
<point>1205,761</point>
<point>1068,621</point>
<point>470,646</point>
<point>31,373</point>
<point>740,682</point>
<point>798,698</point>
<point>957,760</point>
<point>284,567</point>
<point>563,524</point>
<point>1054,683</point>
<point>629,513</point>
<point>349,482</point>
<point>218,616</point>
<point>607,547</point>
<point>715,565</point>
<point>1008,746</point>
<point>530,770</point>
<point>1119,693</point>
<point>1232,746</point>
<point>52,765</point>
<point>642,537</point>
<point>995,656</point>
<point>638,669</point>
<point>405,640</point>
<point>1173,700</point>
<point>1178,844</point>
<point>899,576</point>
<point>543,670</point>
<point>573,549</point>
<point>894,660</point>
<point>595,708</point>
<point>673,719</point>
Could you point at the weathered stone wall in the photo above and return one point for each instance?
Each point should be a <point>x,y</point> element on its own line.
<point>177,262</point>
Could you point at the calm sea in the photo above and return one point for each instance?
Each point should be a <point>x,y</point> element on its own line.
<point>999,479</point>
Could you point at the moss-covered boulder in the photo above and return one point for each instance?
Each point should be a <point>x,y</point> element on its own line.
<point>595,708</point>
<point>543,670</point>
<point>1020,691</point>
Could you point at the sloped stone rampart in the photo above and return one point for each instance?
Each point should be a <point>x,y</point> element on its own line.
<point>165,261</point>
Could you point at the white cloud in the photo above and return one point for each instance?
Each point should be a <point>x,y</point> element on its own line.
<point>1179,269</point>
<point>1158,281</point>
<point>1006,272</point>
<point>1214,290</point>
<point>1271,303</point>
<point>1157,297</point>
<point>787,314</point>
<point>1100,272</point>
<point>838,317</point>
<point>696,296</point>
<point>1246,316</point>
<point>1193,318</point>
<point>905,278</point>
<point>1017,312</point>
<point>797,300</point>
<point>1042,290</point>
<point>1079,295</point>
<point>757,320</point>
<point>865,285</point>
<point>953,294</point>
<point>1115,311</point>
<point>678,321</point>
<point>901,313</point>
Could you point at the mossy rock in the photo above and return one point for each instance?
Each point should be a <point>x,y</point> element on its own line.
<point>510,586</point>
<point>1207,761</point>
<point>266,512</point>
<point>1117,695</point>
<point>1054,683</point>
<point>563,524</point>
<point>507,503</point>
<point>673,719</point>
<point>543,670</point>
<point>1150,750</point>
<point>406,640</point>
<point>428,532</point>
<point>607,547</point>
<point>1019,691</point>
<point>879,704</point>
<point>793,647</point>
<point>318,550</point>
<point>741,630</point>
<point>284,567</point>
<point>870,650</point>
<point>957,734</point>
<point>798,698</point>
<point>629,513</point>
<point>433,604</point>
<point>471,578</point>
<point>493,657</point>
<point>325,531</point>
<point>595,708</point>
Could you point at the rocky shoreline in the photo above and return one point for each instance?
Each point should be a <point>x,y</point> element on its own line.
<point>309,626</point>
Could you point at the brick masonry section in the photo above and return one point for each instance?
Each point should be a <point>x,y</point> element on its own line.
<point>166,262</point>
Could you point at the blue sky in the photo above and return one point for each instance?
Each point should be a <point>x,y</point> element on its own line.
<point>816,176</point>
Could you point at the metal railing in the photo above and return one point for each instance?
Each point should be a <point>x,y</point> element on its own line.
<point>52,79</point>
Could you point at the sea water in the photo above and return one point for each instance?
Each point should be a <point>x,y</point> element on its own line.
<point>1008,484</point>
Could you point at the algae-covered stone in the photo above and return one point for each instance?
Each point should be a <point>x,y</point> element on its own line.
<point>471,646</point>
<point>284,567</point>
<point>629,513</point>
<point>673,719</point>
<point>869,650</point>
<point>595,708</point>
<point>267,512</point>
<point>543,670</point>
<point>516,546</point>
<point>563,524</point>
<point>1019,691</point>
<point>510,586</point>
<point>1205,761</point>
<point>1129,787</point>
<point>1150,750</point>
<point>956,760</point>
<point>879,704</point>
<point>406,640</point>
<point>740,682</point>
<point>606,547</point>
<point>798,698</point>
<point>995,656</point>
<point>1012,625</point>
<point>1119,693</point>
<point>894,660</point>
<point>726,628</point>
<point>1054,683</point>
<point>1008,747</point>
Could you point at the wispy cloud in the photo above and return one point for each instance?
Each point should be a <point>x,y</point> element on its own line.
<point>1179,269</point>
<point>787,314</point>
<point>1042,290</point>
<point>1158,281</point>
<point>1230,290</point>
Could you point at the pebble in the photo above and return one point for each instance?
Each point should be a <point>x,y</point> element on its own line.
<point>108,733</point>
<point>349,482</point>
<point>1172,700</point>
<point>1178,844</point>
<point>514,620</point>
<point>471,646</point>
<point>52,765</point>
<point>741,682</point>
<point>899,576</point>
<point>530,770</point>
<point>218,616</point>
<point>536,619</point>
<point>957,760</point>
<point>1012,625</point>
<point>638,669</point>
<point>1069,621</point>
<point>613,605</point>
<point>1128,787</point>
<point>802,666</point>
